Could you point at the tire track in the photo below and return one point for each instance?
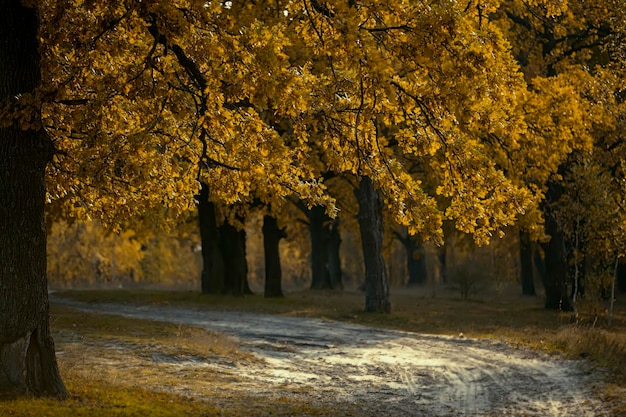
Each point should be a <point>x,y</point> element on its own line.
<point>383,371</point>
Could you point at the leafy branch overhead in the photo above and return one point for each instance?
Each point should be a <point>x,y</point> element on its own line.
<point>260,100</point>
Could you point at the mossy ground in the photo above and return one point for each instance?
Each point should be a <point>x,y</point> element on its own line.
<point>115,366</point>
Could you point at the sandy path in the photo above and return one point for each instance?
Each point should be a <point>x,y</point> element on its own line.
<point>389,372</point>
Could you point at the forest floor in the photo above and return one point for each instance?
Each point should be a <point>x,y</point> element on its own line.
<point>291,364</point>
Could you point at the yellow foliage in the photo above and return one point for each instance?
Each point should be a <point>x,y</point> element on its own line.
<point>259,100</point>
<point>84,253</point>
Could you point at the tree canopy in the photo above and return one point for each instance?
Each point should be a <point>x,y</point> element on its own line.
<point>145,99</point>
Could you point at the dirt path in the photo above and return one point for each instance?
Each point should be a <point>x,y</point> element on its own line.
<point>387,372</point>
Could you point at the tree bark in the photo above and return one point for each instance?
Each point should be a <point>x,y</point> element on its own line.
<point>272,235</point>
<point>621,276</point>
<point>233,245</point>
<point>212,276</point>
<point>325,244</point>
<point>371,226</point>
<point>27,356</point>
<point>245,284</point>
<point>526,262</point>
<point>320,250</point>
<point>442,253</point>
<point>334,260</point>
<point>556,277</point>
<point>415,259</point>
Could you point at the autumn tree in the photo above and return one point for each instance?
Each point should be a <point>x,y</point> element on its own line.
<point>224,264</point>
<point>85,253</point>
<point>211,279</point>
<point>136,96</point>
<point>272,235</point>
<point>415,258</point>
<point>27,360</point>
<point>433,81</point>
<point>571,58</point>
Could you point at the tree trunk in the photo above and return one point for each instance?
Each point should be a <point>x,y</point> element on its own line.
<point>556,277</point>
<point>621,277</point>
<point>244,259</point>
<point>442,253</point>
<point>334,260</point>
<point>272,235</point>
<point>325,244</point>
<point>27,356</point>
<point>320,250</point>
<point>233,245</point>
<point>415,260</point>
<point>526,262</point>
<point>212,277</point>
<point>371,226</point>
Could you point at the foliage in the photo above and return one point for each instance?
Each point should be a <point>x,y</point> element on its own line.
<point>573,62</point>
<point>171,261</point>
<point>143,99</point>
<point>412,76</point>
<point>84,253</point>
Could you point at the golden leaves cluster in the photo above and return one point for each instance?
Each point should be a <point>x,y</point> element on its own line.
<point>416,86</point>
<point>260,99</point>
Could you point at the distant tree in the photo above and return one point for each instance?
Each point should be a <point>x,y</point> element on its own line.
<point>415,258</point>
<point>272,235</point>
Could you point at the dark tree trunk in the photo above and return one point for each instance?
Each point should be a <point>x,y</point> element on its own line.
<point>556,277</point>
<point>540,263</point>
<point>621,277</point>
<point>212,277</point>
<point>272,235</point>
<point>415,259</point>
<point>441,256</point>
<point>320,249</point>
<point>325,244</point>
<point>371,226</point>
<point>246,284</point>
<point>334,260</point>
<point>233,245</point>
<point>27,356</point>
<point>526,262</point>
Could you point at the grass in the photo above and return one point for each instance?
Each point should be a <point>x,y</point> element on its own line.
<point>95,399</point>
<point>116,366</point>
<point>520,318</point>
<point>177,339</point>
<point>109,365</point>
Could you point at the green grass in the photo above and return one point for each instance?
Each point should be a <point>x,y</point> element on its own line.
<point>95,399</point>
<point>69,325</point>
<point>98,399</point>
